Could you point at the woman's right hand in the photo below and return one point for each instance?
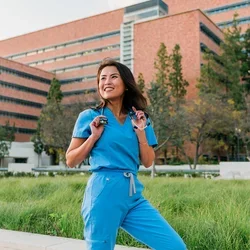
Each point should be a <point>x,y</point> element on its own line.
<point>96,127</point>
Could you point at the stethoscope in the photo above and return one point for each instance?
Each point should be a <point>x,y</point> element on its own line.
<point>132,117</point>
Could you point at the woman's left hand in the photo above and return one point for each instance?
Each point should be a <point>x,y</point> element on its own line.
<point>140,120</point>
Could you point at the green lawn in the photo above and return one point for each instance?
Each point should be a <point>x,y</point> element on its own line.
<point>208,214</point>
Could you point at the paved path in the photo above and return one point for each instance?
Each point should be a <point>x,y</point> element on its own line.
<point>13,240</point>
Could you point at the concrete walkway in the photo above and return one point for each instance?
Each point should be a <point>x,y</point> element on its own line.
<point>13,240</point>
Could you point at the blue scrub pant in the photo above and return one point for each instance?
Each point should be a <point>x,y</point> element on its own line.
<point>110,202</point>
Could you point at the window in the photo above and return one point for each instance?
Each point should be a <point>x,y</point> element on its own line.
<point>19,116</point>
<point>23,88</point>
<point>20,102</point>
<point>225,8</point>
<point>78,54</point>
<point>230,23</point>
<point>31,53</point>
<point>71,43</point>
<point>77,67</point>
<point>24,75</point>
<point>79,92</point>
<point>204,29</point>
<point>21,160</point>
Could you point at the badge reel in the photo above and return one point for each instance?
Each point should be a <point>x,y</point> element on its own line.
<point>103,120</point>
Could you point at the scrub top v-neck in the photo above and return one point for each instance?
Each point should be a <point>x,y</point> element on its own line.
<point>117,148</point>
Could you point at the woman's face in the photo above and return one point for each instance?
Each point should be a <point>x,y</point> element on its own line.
<point>111,85</point>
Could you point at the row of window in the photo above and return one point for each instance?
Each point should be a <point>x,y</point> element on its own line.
<point>64,45</point>
<point>78,79</point>
<point>146,5</point>
<point>243,20</point>
<point>79,92</point>
<point>79,67</point>
<point>75,67</point>
<point>23,130</point>
<point>23,88</point>
<point>19,116</point>
<point>225,8</point>
<point>204,48</point>
<point>24,75</point>
<point>75,55</point>
<point>204,29</point>
<point>20,102</point>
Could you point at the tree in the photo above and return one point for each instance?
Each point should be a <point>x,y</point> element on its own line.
<point>7,135</point>
<point>178,89</point>
<point>55,94</point>
<point>223,73</point>
<point>141,83</point>
<point>207,120</point>
<point>178,85</point>
<point>57,122</point>
<point>246,62</point>
<point>231,59</point>
<point>38,143</point>
<point>225,76</point>
<point>159,99</point>
<point>161,65</point>
<point>209,81</point>
<point>47,130</point>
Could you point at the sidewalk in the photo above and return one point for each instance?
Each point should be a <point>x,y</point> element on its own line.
<point>13,240</point>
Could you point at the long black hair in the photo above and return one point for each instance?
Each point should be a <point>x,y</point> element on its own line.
<point>132,95</point>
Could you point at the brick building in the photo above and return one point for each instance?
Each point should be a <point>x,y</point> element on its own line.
<point>71,52</point>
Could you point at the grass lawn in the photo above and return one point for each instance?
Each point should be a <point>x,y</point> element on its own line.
<point>208,214</point>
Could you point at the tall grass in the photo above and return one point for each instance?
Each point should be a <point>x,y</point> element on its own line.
<point>208,214</point>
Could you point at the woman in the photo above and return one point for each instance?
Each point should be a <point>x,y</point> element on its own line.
<point>118,136</point>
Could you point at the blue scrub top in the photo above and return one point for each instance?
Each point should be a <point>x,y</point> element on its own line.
<point>118,146</point>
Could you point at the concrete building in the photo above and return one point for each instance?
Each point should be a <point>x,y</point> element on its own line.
<point>71,52</point>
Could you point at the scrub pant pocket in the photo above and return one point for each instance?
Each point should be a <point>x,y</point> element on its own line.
<point>101,215</point>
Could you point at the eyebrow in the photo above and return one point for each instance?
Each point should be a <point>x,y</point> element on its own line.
<point>112,74</point>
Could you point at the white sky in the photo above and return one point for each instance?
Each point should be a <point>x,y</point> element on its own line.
<point>18,17</point>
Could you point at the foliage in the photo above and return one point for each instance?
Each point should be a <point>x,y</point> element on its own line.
<point>176,82</point>
<point>38,143</point>
<point>159,97</point>
<point>4,149</point>
<point>226,78</point>
<point>207,214</point>
<point>246,62</point>
<point>178,88</point>
<point>141,83</point>
<point>57,123</point>
<point>55,94</point>
<point>161,65</point>
<point>222,74</point>
<point>7,135</point>
<point>206,120</point>
<point>7,132</point>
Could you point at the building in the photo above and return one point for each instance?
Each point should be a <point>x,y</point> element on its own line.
<point>71,52</point>
<point>23,91</point>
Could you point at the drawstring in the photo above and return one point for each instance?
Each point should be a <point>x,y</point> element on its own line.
<point>131,182</point>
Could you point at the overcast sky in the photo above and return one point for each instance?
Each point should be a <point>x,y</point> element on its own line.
<point>18,17</point>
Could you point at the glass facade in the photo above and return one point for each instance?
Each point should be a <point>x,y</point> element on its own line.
<point>137,13</point>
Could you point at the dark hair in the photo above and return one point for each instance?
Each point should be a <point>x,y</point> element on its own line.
<point>132,95</point>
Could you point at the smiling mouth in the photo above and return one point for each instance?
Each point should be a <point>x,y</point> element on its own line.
<point>108,89</point>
